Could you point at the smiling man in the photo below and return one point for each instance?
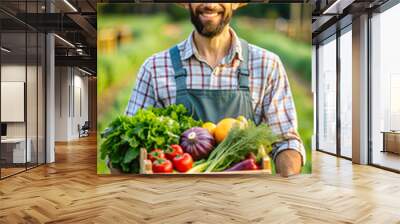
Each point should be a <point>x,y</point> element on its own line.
<point>215,74</point>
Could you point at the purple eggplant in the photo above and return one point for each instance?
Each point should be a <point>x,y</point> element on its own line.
<point>247,164</point>
<point>198,142</point>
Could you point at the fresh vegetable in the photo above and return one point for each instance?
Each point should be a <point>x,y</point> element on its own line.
<point>156,154</point>
<point>172,151</point>
<point>162,166</point>
<point>238,144</point>
<point>198,168</point>
<point>179,113</point>
<point>223,128</point>
<point>183,162</point>
<point>262,153</point>
<point>243,121</point>
<point>248,164</point>
<point>198,162</point>
<point>210,127</point>
<point>149,128</point>
<point>198,142</point>
<point>251,156</point>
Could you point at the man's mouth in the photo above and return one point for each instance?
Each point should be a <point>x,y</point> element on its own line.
<point>209,14</point>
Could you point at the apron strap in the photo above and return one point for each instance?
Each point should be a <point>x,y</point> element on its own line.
<point>243,69</point>
<point>180,72</point>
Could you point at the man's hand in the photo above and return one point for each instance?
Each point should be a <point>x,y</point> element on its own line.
<point>288,163</point>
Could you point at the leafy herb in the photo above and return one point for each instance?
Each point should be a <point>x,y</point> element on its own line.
<point>238,144</point>
<point>178,113</point>
<point>149,128</point>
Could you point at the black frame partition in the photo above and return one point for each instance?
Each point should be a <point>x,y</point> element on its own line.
<point>338,28</point>
<point>327,40</point>
<point>33,43</point>
<point>340,33</point>
<point>332,33</point>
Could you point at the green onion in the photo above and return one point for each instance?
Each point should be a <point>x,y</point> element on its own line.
<point>238,144</point>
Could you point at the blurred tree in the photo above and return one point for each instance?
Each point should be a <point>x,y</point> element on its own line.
<point>177,13</point>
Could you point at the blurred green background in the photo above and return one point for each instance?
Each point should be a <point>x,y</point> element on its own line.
<point>130,33</point>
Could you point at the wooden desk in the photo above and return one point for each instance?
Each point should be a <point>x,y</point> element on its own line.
<point>391,141</point>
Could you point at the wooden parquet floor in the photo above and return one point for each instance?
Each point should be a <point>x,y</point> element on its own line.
<point>70,191</point>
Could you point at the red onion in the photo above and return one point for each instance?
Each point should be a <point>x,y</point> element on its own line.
<point>248,164</point>
<point>198,142</point>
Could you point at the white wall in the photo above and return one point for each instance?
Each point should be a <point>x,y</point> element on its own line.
<point>80,115</point>
<point>71,94</point>
<point>10,73</point>
<point>33,126</point>
<point>16,73</point>
<point>62,81</point>
<point>13,73</point>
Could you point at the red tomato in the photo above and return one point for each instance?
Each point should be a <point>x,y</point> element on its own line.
<point>172,151</point>
<point>162,166</point>
<point>156,154</point>
<point>183,162</point>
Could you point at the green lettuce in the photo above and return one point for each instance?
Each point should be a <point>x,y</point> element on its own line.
<point>149,128</point>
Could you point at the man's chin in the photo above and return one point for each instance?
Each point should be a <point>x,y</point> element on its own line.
<point>211,30</point>
<point>208,27</point>
<point>209,34</point>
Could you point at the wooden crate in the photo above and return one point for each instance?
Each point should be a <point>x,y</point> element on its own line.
<point>146,167</point>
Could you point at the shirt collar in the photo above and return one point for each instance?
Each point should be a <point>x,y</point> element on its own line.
<point>189,48</point>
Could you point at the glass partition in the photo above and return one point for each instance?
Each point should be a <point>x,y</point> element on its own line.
<point>327,96</point>
<point>14,153</point>
<point>346,93</point>
<point>22,78</point>
<point>31,99</point>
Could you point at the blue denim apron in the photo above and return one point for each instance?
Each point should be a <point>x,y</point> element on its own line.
<point>210,104</point>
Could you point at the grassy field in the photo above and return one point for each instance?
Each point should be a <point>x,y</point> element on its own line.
<point>117,71</point>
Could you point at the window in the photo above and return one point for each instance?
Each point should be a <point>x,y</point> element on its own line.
<point>385,89</point>
<point>330,133</point>
<point>346,95</point>
<point>327,96</point>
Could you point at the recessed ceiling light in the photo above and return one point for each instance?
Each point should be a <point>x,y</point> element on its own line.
<point>5,50</point>
<point>337,7</point>
<point>64,40</point>
<point>84,71</point>
<point>70,5</point>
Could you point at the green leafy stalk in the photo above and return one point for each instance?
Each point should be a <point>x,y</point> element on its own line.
<point>238,144</point>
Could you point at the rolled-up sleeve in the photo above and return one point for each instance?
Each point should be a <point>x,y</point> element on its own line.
<point>280,112</point>
<point>143,93</point>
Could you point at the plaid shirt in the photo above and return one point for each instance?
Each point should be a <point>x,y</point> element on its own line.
<point>269,87</point>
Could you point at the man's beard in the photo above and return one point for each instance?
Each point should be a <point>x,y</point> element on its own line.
<point>209,29</point>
